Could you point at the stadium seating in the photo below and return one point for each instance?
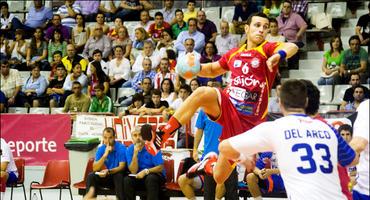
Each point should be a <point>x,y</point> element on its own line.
<point>39,110</point>
<point>227,13</point>
<point>339,93</point>
<point>326,93</point>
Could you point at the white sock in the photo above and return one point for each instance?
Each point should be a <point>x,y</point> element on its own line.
<point>257,198</point>
<point>2,195</point>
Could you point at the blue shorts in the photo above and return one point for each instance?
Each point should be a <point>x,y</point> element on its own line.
<point>12,178</point>
<point>277,184</point>
<point>2,97</point>
<point>358,196</point>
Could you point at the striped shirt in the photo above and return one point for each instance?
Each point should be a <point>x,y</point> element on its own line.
<point>68,20</point>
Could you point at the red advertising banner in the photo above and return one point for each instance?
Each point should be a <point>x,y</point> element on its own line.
<point>36,137</point>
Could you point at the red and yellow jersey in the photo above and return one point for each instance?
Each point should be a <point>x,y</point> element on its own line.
<point>251,80</point>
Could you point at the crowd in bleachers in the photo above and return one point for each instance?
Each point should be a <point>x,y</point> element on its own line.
<point>92,56</point>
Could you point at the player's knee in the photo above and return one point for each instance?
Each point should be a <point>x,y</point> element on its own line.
<point>251,178</point>
<point>183,180</point>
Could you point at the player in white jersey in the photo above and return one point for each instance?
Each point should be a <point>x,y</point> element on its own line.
<point>360,143</point>
<point>308,150</point>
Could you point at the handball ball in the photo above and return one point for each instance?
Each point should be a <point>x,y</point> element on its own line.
<point>188,66</point>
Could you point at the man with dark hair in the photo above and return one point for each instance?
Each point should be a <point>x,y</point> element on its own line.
<point>242,11</point>
<point>10,84</point>
<point>98,56</point>
<point>100,102</point>
<point>112,156</point>
<point>193,33</point>
<point>156,29</point>
<point>354,60</point>
<point>358,97</point>
<point>190,11</point>
<point>180,25</point>
<point>306,148</point>
<point>346,132</point>
<point>363,24</point>
<point>207,27</point>
<point>57,24</point>
<point>348,94</point>
<point>55,89</point>
<point>156,106</point>
<point>77,102</point>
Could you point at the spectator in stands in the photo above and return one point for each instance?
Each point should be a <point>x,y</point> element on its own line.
<point>146,86</point>
<point>194,84</point>
<point>98,41</point>
<point>37,51</point>
<point>274,35</point>
<point>164,72</point>
<point>57,60</point>
<point>272,8</point>
<point>144,20</point>
<point>156,28</point>
<point>348,94</point>
<point>109,166</point>
<point>207,27</point>
<point>148,52</point>
<point>331,63</point>
<point>292,26</point>
<point>113,31</point>
<point>140,37</point>
<point>100,102</point>
<point>225,41</point>
<point>189,48</point>
<point>133,109</point>
<point>358,97</point>
<point>169,11</point>
<point>273,105</point>
<point>363,24</point>
<point>4,43</point>
<point>119,68</point>
<point>10,84</point>
<point>18,50</point>
<point>209,54</point>
<point>155,106</point>
<point>100,23</point>
<point>68,13</point>
<point>57,24</point>
<point>179,25</point>
<point>97,56</point>
<point>300,7</point>
<point>266,175</point>
<point>354,60</point>
<point>55,89</point>
<point>190,11</point>
<point>80,34</point>
<point>72,57</point>
<point>76,75</point>
<point>109,8</point>
<point>56,43</point>
<point>33,90</point>
<point>131,9</point>
<point>166,42</point>
<point>6,20</point>
<point>196,36</point>
<point>168,91</point>
<point>9,172</point>
<point>242,11</point>
<point>89,9</point>
<point>77,101</point>
<point>147,171</point>
<point>146,72</point>
<point>97,77</point>
<point>2,102</point>
<point>123,40</point>
<point>38,16</point>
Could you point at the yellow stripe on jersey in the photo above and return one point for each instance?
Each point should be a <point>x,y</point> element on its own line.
<point>237,51</point>
<point>268,99</point>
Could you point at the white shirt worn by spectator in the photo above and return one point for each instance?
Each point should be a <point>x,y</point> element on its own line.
<point>138,65</point>
<point>278,38</point>
<point>308,151</point>
<point>226,43</point>
<point>9,83</point>
<point>5,22</point>
<point>7,156</point>
<point>361,129</point>
<point>104,67</point>
<point>120,71</point>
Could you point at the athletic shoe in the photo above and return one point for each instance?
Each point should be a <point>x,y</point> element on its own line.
<point>193,170</point>
<point>151,148</point>
<point>158,139</point>
<point>207,164</point>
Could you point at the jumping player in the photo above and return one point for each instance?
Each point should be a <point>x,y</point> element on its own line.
<point>308,150</point>
<point>243,104</point>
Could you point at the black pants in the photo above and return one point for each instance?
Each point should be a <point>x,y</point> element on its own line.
<point>231,186</point>
<point>151,183</point>
<point>112,181</point>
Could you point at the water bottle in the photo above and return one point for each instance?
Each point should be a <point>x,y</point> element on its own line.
<point>34,196</point>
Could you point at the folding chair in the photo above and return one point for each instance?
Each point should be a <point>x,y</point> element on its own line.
<point>20,163</point>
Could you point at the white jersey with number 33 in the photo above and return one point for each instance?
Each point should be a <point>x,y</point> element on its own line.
<point>308,151</point>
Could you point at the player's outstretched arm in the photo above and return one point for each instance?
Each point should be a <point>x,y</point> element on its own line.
<point>284,50</point>
<point>211,70</point>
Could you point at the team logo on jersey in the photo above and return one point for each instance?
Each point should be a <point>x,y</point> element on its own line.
<point>237,63</point>
<point>255,63</point>
<point>245,55</point>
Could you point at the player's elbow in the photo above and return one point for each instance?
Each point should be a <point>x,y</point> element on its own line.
<point>223,147</point>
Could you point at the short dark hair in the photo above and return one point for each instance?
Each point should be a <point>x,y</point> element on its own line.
<point>293,94</point>
<point>158,14</point>
<point>178,10</point>
<point>192,19</point>
<point>185,87</point>
<point>354,37</point>
<point>57,52</point>
<point>137,97</point>
<point>99,86</point>
<point>287,1</point>
<point>60,65</point>
<point>4,3</point>
<point>273,20</point>
<point>156,92</point>
<point>4,62</point>
<point>345,127</point>
<point>97,51</point>
<point>258,14</point>
<point>76,83</point>
<point>110,130</point>
<point>190,1</point>
<point>313,95</point>
<point>148,79</point>
<point>146,132</point>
